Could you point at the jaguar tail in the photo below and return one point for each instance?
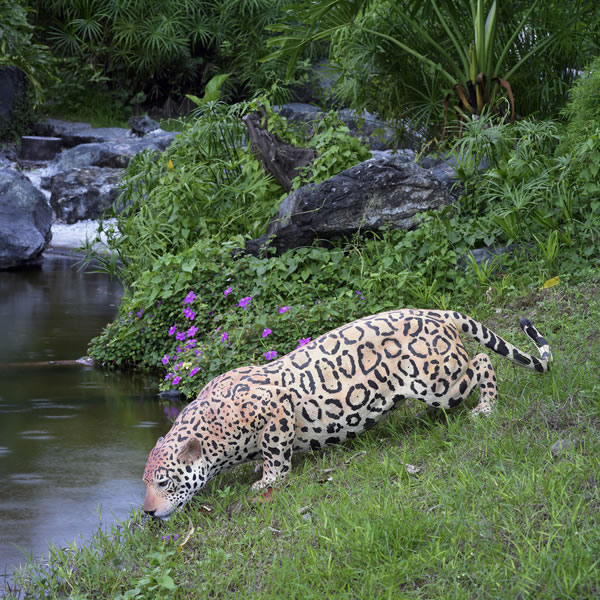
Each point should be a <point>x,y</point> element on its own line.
<point>493,341</point>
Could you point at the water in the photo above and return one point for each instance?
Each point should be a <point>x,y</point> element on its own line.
<point>73,439</point>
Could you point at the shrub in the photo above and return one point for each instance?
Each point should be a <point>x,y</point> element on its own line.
<point>235,301</point>
<point>583,109</point>
<point>18,50</point>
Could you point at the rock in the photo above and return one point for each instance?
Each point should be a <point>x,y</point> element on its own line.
<point>389,191</point>
<point>114,155</point>
<point>12,93</point>
<point>83,193</point>
<point>77,133</point>
<point>142,124</point>
<point>561,447</point>
<point>74,133</point>
<point>25,220</point>
<point>371,131</point>
<point>39,148</point>
<point>445,168</point>
<point>82,180</point>
<point>486,256</point>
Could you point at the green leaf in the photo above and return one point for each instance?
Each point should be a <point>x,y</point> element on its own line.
<point>166,581</point>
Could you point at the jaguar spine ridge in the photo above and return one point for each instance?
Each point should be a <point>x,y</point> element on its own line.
<point>324,393</point>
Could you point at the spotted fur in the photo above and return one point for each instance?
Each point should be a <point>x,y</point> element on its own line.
<point>324,393</point>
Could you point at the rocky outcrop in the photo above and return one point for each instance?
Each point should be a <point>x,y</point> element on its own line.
<point>390,190</point>
<point>76,133</point>
<point>371,131</point>
<point>143,124</point>
<point>112,155</point>
<point>83,193</point>
<point>25,220</point>
<point>82,181</point>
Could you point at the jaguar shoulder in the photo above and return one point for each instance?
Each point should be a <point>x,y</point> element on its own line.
<point>323,393</point>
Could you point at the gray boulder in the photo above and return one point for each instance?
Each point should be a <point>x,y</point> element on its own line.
<point>73,133</point>
<point>371,131</point>
<point>387,191</point>
<point>25,220</point>
<point>114,155</point>
<point>142,124</point>
<point>83,193</point>
<point>77,133</point>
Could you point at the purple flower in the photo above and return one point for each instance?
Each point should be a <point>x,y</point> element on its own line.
<point>189,298</point>
<point>173,330</point>
<point>168,376</point>
<point>198,353</point>
<point>181,336</point>
<point>303,342</point>
<point>189,314</point>
<point>192,331</point>
<point>243,303</point>
<point>190,344</point>
<point>270,355</point>
<point>139,313</point>
<point>176,380</point>
<point>224,337</point>
<point>194,371</point>
<point>228,291</point>
<point>283,309</point>
<point>360,295</point>
<point>165,359</point>
<point>266,332</point>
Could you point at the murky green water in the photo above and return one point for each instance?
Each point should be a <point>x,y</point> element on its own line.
<point>73,439</point>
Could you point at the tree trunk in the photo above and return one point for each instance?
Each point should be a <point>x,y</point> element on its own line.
<point>282,160</point>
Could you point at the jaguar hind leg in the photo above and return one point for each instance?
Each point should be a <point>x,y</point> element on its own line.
<point>479,372</point>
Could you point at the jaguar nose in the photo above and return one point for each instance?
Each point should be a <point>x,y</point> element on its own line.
<point>150,513</point>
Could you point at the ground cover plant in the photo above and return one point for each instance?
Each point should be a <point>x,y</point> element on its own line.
<point>419,507</point>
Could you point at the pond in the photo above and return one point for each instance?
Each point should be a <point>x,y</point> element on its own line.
<point>73,439</point>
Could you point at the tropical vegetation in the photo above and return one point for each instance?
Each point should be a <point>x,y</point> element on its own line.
<point>408,60</point>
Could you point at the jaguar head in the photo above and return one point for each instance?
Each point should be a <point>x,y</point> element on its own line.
<point>174,473</point>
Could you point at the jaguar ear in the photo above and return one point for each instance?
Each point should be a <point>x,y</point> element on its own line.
<point>192,451</point>
<point>159,440</point>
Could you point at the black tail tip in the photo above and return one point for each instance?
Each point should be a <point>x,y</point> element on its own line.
<point>525,323</point>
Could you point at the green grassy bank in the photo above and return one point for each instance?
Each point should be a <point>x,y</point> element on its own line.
<point>448,506</point>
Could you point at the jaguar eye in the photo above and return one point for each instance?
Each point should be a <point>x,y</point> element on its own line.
<point>164,483</point>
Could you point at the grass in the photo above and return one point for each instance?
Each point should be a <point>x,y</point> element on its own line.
<point>505,506</point>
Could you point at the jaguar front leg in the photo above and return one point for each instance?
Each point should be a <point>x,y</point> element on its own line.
<point>276,447</point>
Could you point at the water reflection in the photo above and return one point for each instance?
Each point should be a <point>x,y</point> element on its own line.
<point>72,438</point>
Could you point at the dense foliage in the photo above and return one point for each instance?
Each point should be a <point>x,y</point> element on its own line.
<point>160,50</point>
<point>18,48</point>
<point>408,60</point>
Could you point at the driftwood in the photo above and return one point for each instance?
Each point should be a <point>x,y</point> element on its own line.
<point>80,362</point>
<point>282,160</point>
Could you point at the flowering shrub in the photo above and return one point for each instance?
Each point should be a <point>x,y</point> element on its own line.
<point>192,364</point>
<point>200,313</point>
